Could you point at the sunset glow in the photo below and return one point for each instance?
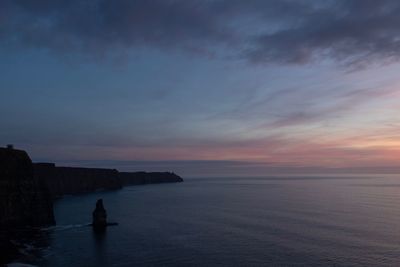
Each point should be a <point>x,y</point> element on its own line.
<point>250,83</point>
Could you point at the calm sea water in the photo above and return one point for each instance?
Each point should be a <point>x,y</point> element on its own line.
<point>310,221</point>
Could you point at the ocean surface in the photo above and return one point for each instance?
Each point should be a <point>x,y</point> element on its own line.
<point>298,221</point>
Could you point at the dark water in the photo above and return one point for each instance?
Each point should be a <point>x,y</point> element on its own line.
<point>235,222</point>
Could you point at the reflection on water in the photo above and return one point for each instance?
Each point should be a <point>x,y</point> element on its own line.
<point>236,222</point>
<point>99,244</point>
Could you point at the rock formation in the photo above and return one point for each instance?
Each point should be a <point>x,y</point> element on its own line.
<point>99,216</point>
<point>69,180</point>
<point>137,178</point>
<point>24,200</point>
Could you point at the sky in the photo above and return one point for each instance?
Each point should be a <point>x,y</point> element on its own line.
<point>203,88</point>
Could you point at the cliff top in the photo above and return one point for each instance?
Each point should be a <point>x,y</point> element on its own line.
<point>13,159</point>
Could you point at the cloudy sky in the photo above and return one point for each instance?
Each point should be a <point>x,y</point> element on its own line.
<point>211,87</point>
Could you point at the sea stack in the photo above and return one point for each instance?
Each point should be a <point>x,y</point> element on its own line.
<point>99,216</point>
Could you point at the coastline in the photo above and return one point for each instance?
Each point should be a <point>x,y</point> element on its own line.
<point>28,191</point>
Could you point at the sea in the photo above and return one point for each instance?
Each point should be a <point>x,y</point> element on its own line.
<point>264,221</point>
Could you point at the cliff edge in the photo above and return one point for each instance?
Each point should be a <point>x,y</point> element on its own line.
<point>138,178</point>
<point>70,180</point>
<point>24,200</point>
<point>22,196</point>
<point>73,180</point>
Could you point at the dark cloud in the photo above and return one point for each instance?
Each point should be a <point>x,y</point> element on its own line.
<point>97,26</point>
<point>347,31</point>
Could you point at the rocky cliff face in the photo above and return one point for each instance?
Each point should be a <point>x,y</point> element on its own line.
<point>136,178</point>
<point>22,196</point>
<point>68,180</point>
<point>24,200</point>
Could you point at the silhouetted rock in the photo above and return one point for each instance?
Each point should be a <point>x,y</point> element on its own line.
<point>24,199</point>
<point>70,180</point>
<point>99,216</point>
<point>137,178</point>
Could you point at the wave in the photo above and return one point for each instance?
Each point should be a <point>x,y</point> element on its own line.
<point>18,264</point>
<point>65,227</point>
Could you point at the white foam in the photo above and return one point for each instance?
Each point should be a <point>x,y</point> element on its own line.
<point>18,264</point>
<point>65,227</point>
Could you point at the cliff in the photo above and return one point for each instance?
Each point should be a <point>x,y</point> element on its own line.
<point>27,189</point>
<point>69,180</point>
<point>137,178</point>
<point>24,199</point>
<point>22,195</point>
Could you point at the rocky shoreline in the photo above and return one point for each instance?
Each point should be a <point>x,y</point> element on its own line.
<point>28,190</point>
